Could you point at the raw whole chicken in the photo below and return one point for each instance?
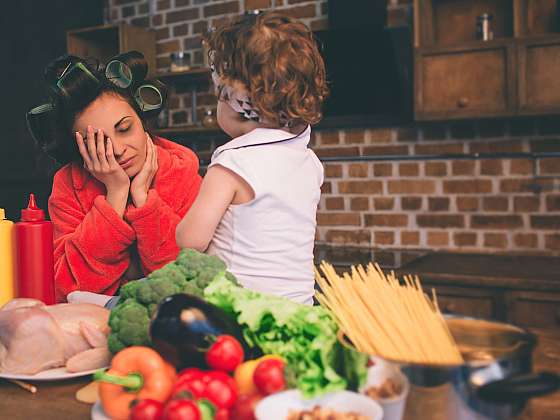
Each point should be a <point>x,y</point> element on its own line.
<point>36,337</point>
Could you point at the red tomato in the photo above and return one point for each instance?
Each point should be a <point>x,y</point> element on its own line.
<point>181,410</point>
<point>269,376</point>
<point>219,390</point>
<point>225,354</point>
<point>244,408</point>
<point>146,410</point>
<point>222,414</point>
<point>189,380</point>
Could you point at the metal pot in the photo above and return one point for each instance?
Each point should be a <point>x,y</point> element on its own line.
<point>494,382</point>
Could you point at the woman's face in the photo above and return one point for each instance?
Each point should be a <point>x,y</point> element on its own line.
<point>120,122</point>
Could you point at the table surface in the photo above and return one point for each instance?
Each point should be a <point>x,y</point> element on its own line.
<point>53,400</point>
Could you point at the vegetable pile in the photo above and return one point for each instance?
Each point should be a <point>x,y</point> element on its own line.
<point>192,303</point>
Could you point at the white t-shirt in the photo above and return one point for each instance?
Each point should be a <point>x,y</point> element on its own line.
<point>267,243</point>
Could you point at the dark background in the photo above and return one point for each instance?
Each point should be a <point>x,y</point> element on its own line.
<point>32,33</point>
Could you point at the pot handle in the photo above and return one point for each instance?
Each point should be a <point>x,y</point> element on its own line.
<point>519,387</point>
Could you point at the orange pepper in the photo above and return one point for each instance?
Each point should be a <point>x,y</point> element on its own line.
<point>136,373</point>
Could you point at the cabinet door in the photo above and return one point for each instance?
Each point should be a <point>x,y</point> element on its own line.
<point>534,309</point>
<point>465,83</point>
<point>539,84</point>
<point>466,301</point>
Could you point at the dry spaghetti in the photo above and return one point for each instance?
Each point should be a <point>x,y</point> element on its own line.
<point>384,317</point>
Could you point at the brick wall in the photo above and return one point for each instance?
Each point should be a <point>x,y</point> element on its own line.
<point>492,205</point>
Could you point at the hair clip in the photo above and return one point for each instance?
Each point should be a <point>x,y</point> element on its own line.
<point>148,97</point>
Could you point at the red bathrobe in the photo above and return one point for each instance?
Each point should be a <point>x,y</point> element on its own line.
<point>93,245</point>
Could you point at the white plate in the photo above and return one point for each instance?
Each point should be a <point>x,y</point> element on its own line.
<point>97,412</point>
<point>278,406</point>
<point>57,374</point>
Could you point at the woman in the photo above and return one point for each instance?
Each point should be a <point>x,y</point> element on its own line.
<point>118,199</point>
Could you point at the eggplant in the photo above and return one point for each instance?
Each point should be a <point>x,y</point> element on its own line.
<point>183,327</point>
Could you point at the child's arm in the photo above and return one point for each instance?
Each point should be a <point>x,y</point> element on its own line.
<point>218,190</point>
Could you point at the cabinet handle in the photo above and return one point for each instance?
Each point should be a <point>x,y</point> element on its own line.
<point>463,102</point>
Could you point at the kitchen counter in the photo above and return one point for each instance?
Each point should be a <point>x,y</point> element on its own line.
<point>53,400</point>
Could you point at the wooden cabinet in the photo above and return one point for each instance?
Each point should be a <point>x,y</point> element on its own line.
<point>106,41</point>
<point>538,81</point>
<point>532,309</point>
<point>467,301</point>
<point>458,76</point>
<point>457,82</point>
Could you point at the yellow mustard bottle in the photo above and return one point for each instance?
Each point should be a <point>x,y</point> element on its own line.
<point>7,247</point>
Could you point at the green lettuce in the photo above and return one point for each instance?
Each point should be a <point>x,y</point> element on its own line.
<point>305,336</point>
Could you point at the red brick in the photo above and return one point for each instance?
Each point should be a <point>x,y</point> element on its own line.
<point>166,4</point>
<point>438,203</point>
<point>552,241</point>
<point>464,239</point>
<point>385,150</point>
<point>545,222</point>
<point>552,202</point>
<point>143,8</point>
<point>509,146</point>
<point>168,46</point>
<point>409,169</point>
<point>319,25</point>
<point>143,21</point>
<point>358,170</point>
<point>344,237</point>
<point>333,170</point>
<point>491,167</point>
<point>438,149</point>
<point>307,11</point>
<point>467,186</point>
<point>181,15</point>
<point>192,43</point>
<point>337,151</point>
<point>334,203</point>
<point>200,27</point>
<point>383,203</point>
<point>495,240</point>
<point>496,222</point>
<point>495,203</point>
<point>330,137</point>
<point>360,187</point>
<point>440,220</point>
<point>380,135</point>
<point>410,238</point>
<point>526,204</point>
<point>157,20</point>
<point>359,203</point>
<point>463,167</point>
<point>436,169</point>
<point>354,136</point>
<point>438,239</point>
<point>467,203</point>
<point>525,240</point>
<point>257,4</point>
<point>515,185</point>
<point>221,9</point>
<point>385,219</point>
<point>416,186</point>
<point>127,11</point>
<point>550,165</point>
<point>121,2</point>
<point>162,33</point>
<point>521,167</point>
<point>326,188</point>
<point>411,203</point>
<point>338,219</point>
<point>383,238</point>
<point>383,169</point>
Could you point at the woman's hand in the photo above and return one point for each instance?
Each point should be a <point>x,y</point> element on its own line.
<point>99,160</point>
<point>143,180</point>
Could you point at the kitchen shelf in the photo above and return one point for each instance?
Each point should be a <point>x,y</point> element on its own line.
<point>181,131</point>
<point>195,75</point>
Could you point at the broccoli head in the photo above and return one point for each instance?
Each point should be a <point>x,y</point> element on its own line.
<point>129,322</point>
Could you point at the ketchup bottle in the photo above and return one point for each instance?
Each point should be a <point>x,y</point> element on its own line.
<point>34,255</point>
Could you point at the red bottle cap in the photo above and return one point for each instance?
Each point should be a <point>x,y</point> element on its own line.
<point>32,213</point>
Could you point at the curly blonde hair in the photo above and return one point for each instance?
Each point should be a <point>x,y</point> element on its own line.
<point>276,60</point>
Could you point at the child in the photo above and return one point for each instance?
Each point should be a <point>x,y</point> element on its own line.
<point>257,206</point>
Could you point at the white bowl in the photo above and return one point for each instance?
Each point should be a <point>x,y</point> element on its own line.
<point>278,406</point>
